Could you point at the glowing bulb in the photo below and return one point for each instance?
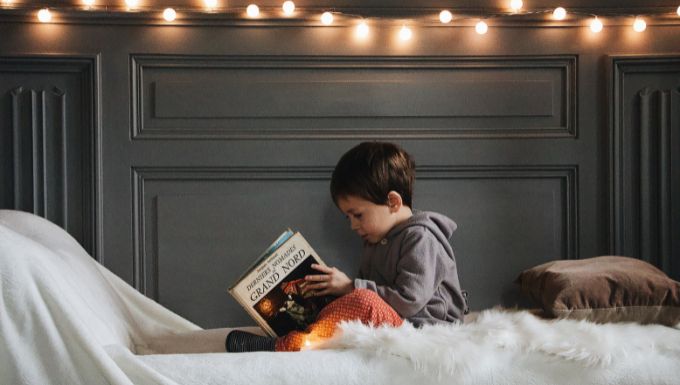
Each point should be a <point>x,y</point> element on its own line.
<point>132,3</point>
<point>559,13</point>
<point>405,33</point>
<point>288,7</point>
<point>362,29</point>
<point>481,27</point>
<point>6,2</point>
<point>253,10</point>
<point>327,18</point>
<point>169,14</point>
<point>678,10</point>
<point>445,16</point>
<point>211,3</point>
<point>639,25</point>
<point>596,25</point>
<point>44,15</point>
<point>88,3</point>
<point>516,5</point>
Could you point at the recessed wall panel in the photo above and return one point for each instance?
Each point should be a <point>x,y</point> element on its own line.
<point>645,215</point>
<point>48,155</point>
<point>200,229</point>
<point>298,97</point>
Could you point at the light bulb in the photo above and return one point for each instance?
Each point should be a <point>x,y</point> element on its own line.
<point>445,16</point>
<point>253,10</point>
<point>169,14</point>
<point>44,15</point>
<point>327,18</point>
<point>405,33</point>
<point>132,3</point>
<point>516,5</point>
<point>596,25</point>
<point>210,3</point>
<point>88,3</point>
<point>639,25</point>
<point>288,8</point>
<point>559,13</point>
<point>481,27</point>
<point>362,29</point>
<point>678,12</point>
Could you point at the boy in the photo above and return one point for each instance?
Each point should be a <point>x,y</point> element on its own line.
<point>408,270</point>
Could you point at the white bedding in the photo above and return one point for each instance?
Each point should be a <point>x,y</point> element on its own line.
<point>65,319</point>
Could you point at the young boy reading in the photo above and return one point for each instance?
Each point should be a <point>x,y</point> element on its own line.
<point>408,270</point>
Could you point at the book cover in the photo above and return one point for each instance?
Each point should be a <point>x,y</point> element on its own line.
<point>272,289</point>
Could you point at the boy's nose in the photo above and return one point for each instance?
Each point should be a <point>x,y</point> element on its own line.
<point>354,224</point>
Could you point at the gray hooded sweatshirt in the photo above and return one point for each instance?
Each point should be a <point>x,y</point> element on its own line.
<point>414,270</point>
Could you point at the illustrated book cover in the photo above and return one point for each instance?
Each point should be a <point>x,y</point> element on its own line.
<point>272,289</point>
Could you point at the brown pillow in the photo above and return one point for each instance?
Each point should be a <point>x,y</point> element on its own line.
<point>604,289</point>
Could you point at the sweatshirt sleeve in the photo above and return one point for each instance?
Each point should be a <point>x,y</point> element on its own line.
<point>416,279</point>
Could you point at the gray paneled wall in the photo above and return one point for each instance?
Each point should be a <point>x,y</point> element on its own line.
<point>177,153</point>
<point>646,160</point>
<point>47,136</point>
<point>190,218</point>
<point>331,97</point>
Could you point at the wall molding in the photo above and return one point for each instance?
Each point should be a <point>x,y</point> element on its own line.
<point>139,64</point>
<point>37,103</point>
<point>87,67</point>
<point>640,163</point>
<point>566,174</point>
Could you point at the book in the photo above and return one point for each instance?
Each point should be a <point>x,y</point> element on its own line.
<point>272,289</point>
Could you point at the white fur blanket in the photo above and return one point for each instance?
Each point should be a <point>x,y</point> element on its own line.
<point>65,319</point>
<point>500,340</point>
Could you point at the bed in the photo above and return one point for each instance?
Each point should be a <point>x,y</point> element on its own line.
<point>66,319</point>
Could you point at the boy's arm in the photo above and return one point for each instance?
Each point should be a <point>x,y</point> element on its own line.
<point>416,279</point>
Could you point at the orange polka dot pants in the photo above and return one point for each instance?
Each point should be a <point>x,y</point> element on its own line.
<point>361,304</point>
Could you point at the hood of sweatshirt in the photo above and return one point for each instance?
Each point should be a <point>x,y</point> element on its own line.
<point>440,225</point>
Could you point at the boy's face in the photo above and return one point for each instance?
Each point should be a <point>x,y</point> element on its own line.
<point>369,220</point>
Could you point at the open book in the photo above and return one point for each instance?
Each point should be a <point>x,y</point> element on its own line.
<point>272,289</point>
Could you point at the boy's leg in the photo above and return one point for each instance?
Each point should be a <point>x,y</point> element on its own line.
<point>239,341</point>
<point>361,304</point>
<point>197,341</point>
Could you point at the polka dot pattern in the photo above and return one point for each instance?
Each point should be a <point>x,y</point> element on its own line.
<point>361,304</point>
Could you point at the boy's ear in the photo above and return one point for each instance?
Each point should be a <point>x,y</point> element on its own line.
<point>394,201</point>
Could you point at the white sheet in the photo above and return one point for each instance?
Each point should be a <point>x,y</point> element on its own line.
<point>64,319</point>
<point>60,309</point>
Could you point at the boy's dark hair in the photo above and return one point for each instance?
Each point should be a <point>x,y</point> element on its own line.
<point>371,170</point>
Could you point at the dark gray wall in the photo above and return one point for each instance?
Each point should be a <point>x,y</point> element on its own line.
<point>182,151</point>
<point>645,160</point>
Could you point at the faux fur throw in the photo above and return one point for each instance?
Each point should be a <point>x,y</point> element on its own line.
<point>456,349</point>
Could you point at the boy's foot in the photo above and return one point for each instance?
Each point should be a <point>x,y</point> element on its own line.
<point>239,341</point>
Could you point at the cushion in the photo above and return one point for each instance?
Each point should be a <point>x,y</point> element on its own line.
<point>603,289</point>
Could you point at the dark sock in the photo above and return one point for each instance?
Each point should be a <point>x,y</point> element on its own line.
<point>239,341</point>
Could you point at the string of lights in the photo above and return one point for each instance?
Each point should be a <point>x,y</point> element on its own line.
<point>480,19</point>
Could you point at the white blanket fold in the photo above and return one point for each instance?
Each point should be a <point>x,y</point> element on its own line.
<point>65,319</point>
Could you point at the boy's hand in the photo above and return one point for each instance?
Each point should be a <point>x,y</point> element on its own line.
<point>332,282</point>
